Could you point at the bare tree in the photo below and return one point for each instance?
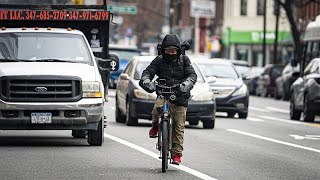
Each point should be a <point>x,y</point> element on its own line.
<point>289,7</point>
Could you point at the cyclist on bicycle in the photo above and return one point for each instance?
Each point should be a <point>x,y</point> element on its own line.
<point>174,68</point>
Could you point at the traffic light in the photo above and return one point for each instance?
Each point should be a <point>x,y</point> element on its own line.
<point>77,2</point>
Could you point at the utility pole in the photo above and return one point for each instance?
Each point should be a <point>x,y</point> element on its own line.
<point>264,31</point>
<point>277,13</point>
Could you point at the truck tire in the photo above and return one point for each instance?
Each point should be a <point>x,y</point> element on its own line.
<point>79,133</point>
<point>96,137</point>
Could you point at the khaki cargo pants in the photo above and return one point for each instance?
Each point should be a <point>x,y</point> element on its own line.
<point>178,121</point>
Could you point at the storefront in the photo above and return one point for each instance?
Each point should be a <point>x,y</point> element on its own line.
<point>247,46</point>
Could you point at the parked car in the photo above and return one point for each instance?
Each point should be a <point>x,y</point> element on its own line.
<point>266,81</point>
<point>231,94</point>
<point>242,67</point>
<point>305,93</point>
<point>250,78</point>
<point>285,80</point>
<point>125,54</point>
<point>133,103</point>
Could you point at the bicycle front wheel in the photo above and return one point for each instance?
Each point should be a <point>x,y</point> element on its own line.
<point>165,146</point>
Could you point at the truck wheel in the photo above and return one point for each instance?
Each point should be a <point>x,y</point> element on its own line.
<point>96,137</point>
<point>243,115</point>
<point>79,133</point>
<point>208,124</point>
<point>294,114</point>
<point>130,121</point>
<point>308,116</point>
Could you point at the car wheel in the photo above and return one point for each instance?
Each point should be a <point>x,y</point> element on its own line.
<point>294,114</point>
<point>276,93</point>
<point>308,116</point>
<point>119,117</point>
<point>231,114</point>
<point>208,124</point>
<point>79,133</point>
<point>96,137</point>
<point>243,115</point>
<point>130,121</point>
<point>193,123</point>
<point>286,94</point>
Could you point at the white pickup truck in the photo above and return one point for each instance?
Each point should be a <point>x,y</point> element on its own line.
<point>49,79</point>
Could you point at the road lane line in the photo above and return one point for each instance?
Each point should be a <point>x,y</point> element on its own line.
<point>281,120</point>
<point>156,156</point>
<point>278,110</point>
<point>274,140</point>
<point>254,119</point>
<point>257,109</point>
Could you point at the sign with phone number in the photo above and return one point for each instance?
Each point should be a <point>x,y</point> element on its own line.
<point>54,15</point>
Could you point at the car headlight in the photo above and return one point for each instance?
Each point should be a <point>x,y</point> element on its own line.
<point>91,89</point>
<point>141,94</point>
<point>206,96</point>
<point>241,91</point>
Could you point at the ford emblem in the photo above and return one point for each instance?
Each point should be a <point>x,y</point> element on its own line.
<point>40,89</point>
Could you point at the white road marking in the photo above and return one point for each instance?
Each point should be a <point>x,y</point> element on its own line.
<point>274,140</point>
<point>309,137</point>
<point>258,109</point>
<point>281,120</point>
<point>254,119</point>
<point>278,110</point>
<point>156,156</point>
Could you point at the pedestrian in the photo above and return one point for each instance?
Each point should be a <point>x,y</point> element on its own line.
<point>174,68</point>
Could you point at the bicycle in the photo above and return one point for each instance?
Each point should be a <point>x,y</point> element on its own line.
<point>164,144</point>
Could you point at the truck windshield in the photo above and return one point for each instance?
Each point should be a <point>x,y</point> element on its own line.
<point>44,47</point>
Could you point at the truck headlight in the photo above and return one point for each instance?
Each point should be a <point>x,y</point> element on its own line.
<point>206,96</point>
<point>91,89</point>
<point>141,94</point>
<point>241,91</point>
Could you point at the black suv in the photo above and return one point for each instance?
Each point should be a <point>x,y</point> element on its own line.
<point>305,93</point>
<point>283,83</point>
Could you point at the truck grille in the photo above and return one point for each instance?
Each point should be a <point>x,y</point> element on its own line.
<point>40,89</point>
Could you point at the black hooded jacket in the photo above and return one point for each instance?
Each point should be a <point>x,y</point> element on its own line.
<point>174,72</point>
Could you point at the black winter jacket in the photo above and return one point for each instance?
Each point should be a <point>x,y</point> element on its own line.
<point>174,73</point>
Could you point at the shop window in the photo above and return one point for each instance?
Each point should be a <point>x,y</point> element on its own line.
<point>243,8</point>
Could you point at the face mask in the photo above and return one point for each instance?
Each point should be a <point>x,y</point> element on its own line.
<point>170,58</point>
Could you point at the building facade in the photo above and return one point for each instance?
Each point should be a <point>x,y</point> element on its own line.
<point>243,31</point>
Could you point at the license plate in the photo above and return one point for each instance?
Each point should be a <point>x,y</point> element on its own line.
<point>41,118</point>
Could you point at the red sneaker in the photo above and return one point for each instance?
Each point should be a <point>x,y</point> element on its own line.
<point>176,159</point>
<point>153,133</point>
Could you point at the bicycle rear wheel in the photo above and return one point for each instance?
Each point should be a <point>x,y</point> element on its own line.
<point>165,146</point>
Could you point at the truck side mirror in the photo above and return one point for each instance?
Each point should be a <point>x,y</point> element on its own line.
<point>110,64</point>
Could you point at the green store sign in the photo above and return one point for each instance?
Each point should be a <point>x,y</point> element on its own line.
<point>252,37</point>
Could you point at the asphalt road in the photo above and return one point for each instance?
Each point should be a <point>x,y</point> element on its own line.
<point>265,146</point>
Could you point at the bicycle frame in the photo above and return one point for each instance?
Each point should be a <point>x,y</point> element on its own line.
<point>164,144</point>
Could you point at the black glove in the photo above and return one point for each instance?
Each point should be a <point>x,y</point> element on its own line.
<point>186,86</point>
<point>149,85</point>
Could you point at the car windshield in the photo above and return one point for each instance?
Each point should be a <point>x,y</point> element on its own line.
<point>219,70</point>
<point>142,65</point>
<point>242,69</point>
<point>43,46</point>
<point>125,53</point>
